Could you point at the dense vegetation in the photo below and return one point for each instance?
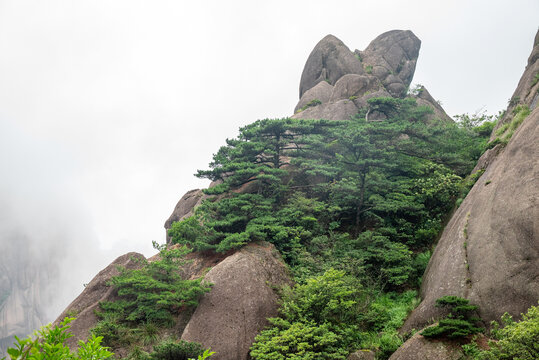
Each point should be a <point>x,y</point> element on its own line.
<point>516,340</point>
<point>353,206</point>
<point>150,297</point>
<point>50,343</point>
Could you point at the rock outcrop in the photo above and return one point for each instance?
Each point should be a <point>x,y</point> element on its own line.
<point>329,60</point>
<point>527,91</point>
<point>336,82</point>
<point>97,290</point>
<point>418,347</point>
<point>489,251</point>
<point>392,57</point>
<point>229,317</point>
<point>184,208</point>
<point>24,278</point>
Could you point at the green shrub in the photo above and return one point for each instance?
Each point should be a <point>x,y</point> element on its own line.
<point>50,343</point>
<point>318,321</point>
<point>171,350</point>
<point>298,341</point>
<point>149,299</point>
<point>516,340</point>
<point>460,321</point>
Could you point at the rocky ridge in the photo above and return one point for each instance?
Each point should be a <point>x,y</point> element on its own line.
<point>336,82</point>
<point>487,253</point>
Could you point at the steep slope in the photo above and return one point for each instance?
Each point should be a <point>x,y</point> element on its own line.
<point>489,251</point>
<point>227,319</point>
<point>24,276</point>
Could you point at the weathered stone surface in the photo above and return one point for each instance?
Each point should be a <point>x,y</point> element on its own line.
<point>321,91</point>
<point>362,355</point>
<point>385,68</point>
<point>418,347</point>
<point>184,208</point>
<point>353,85</point>
<point>242,297</point>
<point>525,93</point>
<point>393,56</point>
<point>97,290</point>
<point>24,276</point>
<point>425,98</point>
<point>489,251</point>
<point>340,110</point>
<point>329,60</point>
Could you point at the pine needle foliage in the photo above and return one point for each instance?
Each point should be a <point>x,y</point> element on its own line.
<point>149,297</point>
<point>460,322</point>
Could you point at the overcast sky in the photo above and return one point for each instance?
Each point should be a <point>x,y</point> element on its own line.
<point>107,108</point>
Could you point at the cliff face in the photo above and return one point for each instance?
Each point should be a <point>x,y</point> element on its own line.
<point>23,280</point>
<point>489,251</point>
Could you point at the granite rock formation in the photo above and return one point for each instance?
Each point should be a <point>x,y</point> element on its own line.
<point>229,317</point>
<point>489,251</point>
<point>336,82</point>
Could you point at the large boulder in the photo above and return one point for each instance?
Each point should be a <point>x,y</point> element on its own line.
<point>336,83</point>
<point>392,57</point>
<point>489,251</point>
<point>354,86</point>
<point>85,305</point>
<point>184,208</point>
<point>339,110</point>
<point>329,60</point>
<point>418,347</point>
<point>321,92</point>
<point>243,296</point>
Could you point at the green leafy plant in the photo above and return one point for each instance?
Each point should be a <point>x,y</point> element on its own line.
<point>460,321</point>
<point>516,340</point>
<point>50,343</point>
<point>368,69</point>
<point>317,321</point>
<point>171,350</point>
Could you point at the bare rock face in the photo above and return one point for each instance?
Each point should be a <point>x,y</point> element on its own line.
<point>184,208</point>
<point>527,91</point>
<point>354,86</point>
<point>97,290</point>
<point>336,83</point>
<point>23,279</point>
<point>321,92</point>
<point>425,98</point>
<point>339,110</point>
<point>228,318</point>
<point>418,347</point>
<point>329,60</point>
<point>489,251</point>
<point>393,56</point>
